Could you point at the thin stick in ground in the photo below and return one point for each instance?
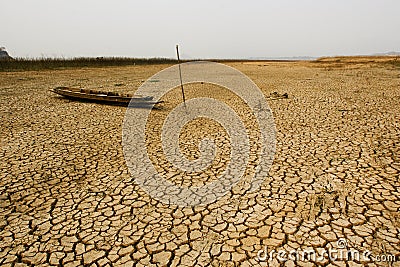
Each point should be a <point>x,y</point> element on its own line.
<point>180,75</point>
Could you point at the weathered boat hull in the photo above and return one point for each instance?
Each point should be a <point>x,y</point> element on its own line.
<point>108,97</point>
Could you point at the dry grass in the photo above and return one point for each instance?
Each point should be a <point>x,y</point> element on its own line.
<point>27,64</point>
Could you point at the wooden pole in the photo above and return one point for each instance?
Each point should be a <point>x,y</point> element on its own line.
<point>180,75</point>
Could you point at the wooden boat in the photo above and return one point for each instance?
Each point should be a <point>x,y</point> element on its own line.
<point>100,96</point>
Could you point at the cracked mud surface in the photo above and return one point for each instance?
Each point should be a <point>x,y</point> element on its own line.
<point>67,198</point>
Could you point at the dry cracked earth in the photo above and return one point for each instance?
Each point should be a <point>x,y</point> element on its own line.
<point>68,199</point>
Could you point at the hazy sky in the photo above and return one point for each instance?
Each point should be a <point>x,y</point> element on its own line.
<point>203,28</point>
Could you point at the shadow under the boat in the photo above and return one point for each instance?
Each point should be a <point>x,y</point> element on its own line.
<point>143,105</point>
